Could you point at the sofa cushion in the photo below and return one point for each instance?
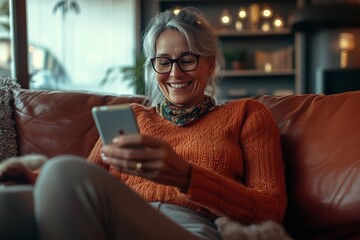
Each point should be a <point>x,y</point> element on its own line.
<point>321,147</point>
<point>59,122</point>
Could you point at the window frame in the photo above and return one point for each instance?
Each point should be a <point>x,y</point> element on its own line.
<point>18,33</point>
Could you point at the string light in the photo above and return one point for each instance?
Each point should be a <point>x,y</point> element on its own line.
<point>265,26</point>
<point>176,10</point>
<point>225,18</point>
<point>239,25</point>
<point>242,13</point>
<point>266,11</point>
<point>278,23</point>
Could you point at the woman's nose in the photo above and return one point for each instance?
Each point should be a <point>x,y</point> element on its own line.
<point>175,70</point>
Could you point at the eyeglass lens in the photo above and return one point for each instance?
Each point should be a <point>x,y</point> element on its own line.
<point>186,63</point>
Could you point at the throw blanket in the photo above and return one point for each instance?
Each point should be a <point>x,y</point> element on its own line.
<point>8,143</point>
<point>233,230</point>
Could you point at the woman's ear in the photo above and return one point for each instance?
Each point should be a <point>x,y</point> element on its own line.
<point>211,64</point>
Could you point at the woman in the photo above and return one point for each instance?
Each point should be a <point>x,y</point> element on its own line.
<point>193,160</point>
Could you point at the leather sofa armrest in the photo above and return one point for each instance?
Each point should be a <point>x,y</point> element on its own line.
<point>60,122</point>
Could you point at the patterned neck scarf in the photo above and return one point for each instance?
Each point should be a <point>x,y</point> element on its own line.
<point>181,117</point>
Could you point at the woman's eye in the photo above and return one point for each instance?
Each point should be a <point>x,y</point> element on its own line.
<point>164,63</point>
<point>187,61</point>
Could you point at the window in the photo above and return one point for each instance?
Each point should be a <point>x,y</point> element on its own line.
<point>76,44</point>
<point>5,42</point>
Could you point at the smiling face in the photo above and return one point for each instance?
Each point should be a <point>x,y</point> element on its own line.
<point>184,89</point>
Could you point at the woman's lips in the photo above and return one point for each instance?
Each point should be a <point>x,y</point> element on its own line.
<point>179,85</point>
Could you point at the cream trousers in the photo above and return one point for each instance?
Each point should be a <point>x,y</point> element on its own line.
<point>76,200</point>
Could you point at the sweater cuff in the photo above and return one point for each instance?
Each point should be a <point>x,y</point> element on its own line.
<point>225,197</point>
<point>205,189</point>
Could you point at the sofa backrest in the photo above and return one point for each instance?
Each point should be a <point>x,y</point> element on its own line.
<point>320,138</point>
<point>321,148</point>
<point>58,122</point>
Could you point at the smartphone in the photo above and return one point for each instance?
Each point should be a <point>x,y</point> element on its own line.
<point>113,120</point>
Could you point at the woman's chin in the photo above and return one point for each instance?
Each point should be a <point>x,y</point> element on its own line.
<point>183,104</point>
<point>180,102</point>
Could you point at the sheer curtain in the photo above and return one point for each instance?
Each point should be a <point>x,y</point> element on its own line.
<point>5,40</point>
<point>74,43</point>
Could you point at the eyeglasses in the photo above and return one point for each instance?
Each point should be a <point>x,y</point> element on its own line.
<point>186,63</point>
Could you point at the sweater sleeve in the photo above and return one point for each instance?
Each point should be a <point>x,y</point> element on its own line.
<point>261,195</point>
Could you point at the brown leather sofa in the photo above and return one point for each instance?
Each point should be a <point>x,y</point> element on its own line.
<point>320,137</point>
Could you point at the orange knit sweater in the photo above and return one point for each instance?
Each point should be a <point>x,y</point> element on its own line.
<point>235,153</point>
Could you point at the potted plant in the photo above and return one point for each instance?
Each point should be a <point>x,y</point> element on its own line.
<point>239,60</point>
<point>235,59</point>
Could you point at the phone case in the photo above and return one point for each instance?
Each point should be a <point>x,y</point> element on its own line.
<point>113,120</point>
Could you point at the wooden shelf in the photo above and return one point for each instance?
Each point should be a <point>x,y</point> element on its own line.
<point>257,73</point>
<point>250,33</point>
<point>221,2</point>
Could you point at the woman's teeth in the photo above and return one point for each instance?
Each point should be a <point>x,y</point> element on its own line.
<point>179,85</point>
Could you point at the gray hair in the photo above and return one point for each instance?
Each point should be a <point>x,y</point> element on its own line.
<point>201,40</point>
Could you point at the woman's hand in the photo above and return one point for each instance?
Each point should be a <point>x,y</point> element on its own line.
<point>18,170</point>
<point>148,157</point>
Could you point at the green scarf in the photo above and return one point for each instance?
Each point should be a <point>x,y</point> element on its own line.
<point>181,117</point>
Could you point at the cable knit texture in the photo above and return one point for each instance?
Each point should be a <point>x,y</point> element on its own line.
<point>8,141</point>
<point>235,153</point>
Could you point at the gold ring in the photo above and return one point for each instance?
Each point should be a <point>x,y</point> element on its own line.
<point>138,166</point>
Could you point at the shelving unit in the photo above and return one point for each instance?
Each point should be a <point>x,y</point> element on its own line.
<point>252,79</point>
<point>258,73</point>
<point>249,32</point>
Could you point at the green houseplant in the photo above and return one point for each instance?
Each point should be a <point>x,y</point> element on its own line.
<point>235,59</point>
<point>132,74</point>
<point>4,15</point>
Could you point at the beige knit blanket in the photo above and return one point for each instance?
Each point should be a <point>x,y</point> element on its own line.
<point>8,141</point>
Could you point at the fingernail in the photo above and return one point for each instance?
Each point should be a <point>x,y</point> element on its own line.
<point>103,157</point>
